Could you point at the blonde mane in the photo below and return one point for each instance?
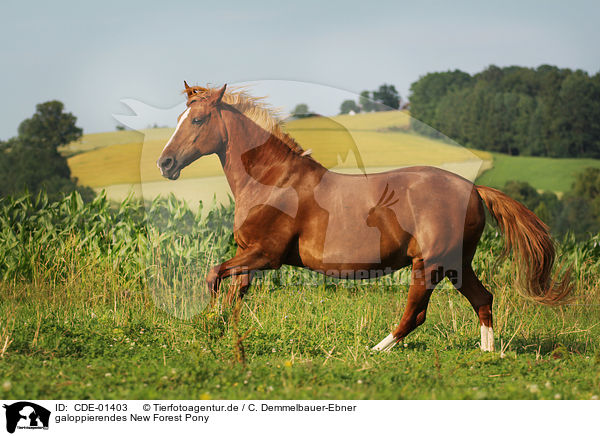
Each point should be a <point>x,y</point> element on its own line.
<point>255,109</point>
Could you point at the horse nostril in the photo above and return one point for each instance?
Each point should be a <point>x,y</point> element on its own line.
<point>167,163</point>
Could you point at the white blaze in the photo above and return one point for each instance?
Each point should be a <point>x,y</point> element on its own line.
<point>181,120</point>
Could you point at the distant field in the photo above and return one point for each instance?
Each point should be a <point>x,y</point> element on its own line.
<point>340,143</point>
<point>117,160</point>
<point>92,141</point>
<point>130,163</point>
<point>543,173</point>
<point>366,121</point>
<point>336,142</point>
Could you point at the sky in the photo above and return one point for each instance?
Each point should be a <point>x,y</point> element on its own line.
<point>92,55</point>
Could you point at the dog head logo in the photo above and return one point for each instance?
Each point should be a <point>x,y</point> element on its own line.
<point>26,415</point>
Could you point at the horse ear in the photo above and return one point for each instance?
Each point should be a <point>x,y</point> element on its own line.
<point>188,91</point>
<point>219,95</point>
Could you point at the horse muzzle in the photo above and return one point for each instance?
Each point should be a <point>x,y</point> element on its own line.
<point>168,167</point>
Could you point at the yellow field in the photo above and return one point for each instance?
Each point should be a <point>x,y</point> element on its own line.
<point>119,160</point>
<point>366,121</point>
<point>340,142</point>
<point>92,141</point>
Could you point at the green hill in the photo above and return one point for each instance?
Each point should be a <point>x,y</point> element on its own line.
<point>543,173</point>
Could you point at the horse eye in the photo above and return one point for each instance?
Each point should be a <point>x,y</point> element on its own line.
<point>199,121</point>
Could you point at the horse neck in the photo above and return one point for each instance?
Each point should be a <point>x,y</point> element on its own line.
<point>254,155</point>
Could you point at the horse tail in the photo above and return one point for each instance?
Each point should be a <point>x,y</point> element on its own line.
<point>526,234</point>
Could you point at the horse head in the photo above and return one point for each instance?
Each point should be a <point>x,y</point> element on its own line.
<point>200,131</point>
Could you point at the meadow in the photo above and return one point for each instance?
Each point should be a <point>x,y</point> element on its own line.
<point>544,173</point>
<point>106,301</point>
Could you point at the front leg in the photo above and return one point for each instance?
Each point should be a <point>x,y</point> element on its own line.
<point>240,266</point>
<point>238,287</point>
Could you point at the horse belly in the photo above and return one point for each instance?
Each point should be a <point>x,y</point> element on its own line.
<point>343,263</point>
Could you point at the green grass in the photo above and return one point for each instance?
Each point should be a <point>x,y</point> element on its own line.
<point>78,319</point>
<point>304,345</point>
<point>544,173</point>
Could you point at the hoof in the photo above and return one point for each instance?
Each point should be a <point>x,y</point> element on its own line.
<point>387,344</point>
<point>487,338</point>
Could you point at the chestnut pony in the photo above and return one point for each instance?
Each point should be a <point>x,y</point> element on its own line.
<point>289,209</point>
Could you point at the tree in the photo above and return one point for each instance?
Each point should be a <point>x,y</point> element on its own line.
<point>50,127</point>
<point>522,192</point>
<point>386,98</point>
<point>546,205</point>
<point>576,217</point>
<point>349,105</point>
<point>366,102</point>
<point>31,161</point>
<point>580,110</point>
<point>301,111</point>
<point>427,92</point>
<point>587,186</point>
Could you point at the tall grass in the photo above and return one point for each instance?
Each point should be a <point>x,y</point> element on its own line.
<point>69,240</point>
<point>165,247</point>
<point>103,280</point>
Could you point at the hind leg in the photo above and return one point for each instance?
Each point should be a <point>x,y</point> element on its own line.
<point>416,306</point>
<point>481,300</point>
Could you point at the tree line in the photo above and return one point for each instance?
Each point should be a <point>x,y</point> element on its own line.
<point>544,111</point>
<point>385,98</point>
